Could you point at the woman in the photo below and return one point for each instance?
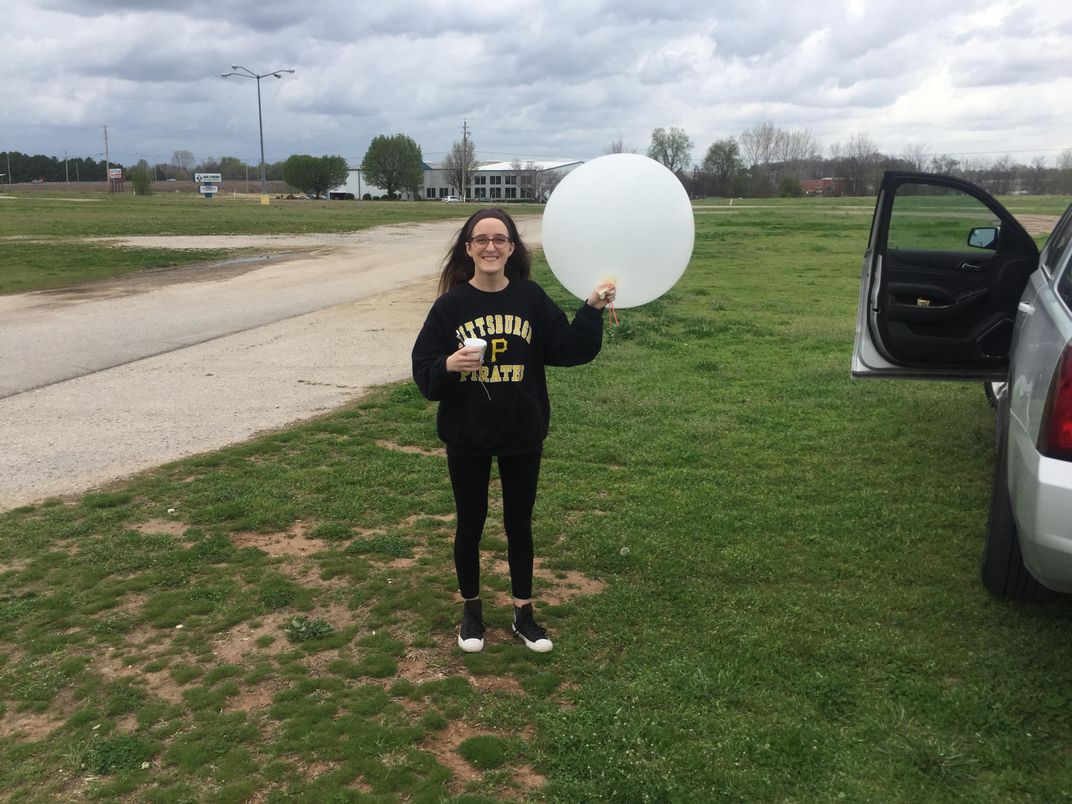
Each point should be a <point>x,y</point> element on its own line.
<point>493,397</point>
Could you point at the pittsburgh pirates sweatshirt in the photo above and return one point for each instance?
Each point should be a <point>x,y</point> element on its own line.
<point>502,409</point>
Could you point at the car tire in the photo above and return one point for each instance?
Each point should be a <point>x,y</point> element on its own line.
<point>1003,572</point>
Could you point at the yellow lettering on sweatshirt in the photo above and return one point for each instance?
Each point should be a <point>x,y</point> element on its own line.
<point>485,326</point>
<point>504,373</point>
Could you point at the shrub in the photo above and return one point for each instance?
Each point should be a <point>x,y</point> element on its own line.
<point>301,629</point>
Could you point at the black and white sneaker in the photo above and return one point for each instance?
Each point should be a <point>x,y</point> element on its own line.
<point>471,637</point>
<point>525,628</point>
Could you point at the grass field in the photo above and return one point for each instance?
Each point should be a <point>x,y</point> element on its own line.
<point>43,238</point>
<point>761,578</point>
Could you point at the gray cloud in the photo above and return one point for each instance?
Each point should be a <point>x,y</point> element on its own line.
<point>531,78</point>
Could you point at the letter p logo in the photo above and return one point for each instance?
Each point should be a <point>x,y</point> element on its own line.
<point>498,346</point>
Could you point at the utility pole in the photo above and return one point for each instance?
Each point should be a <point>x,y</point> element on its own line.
<point>66,169</point>
<point>107,161</point>
<point>465,159</point>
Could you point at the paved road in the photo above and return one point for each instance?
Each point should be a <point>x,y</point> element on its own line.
<point>55,336</point>
<point>105,381</point>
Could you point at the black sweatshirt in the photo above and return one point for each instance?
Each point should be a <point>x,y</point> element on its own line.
<point>503,409</point>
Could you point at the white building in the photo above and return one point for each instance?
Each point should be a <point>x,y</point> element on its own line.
<point>492,181</point>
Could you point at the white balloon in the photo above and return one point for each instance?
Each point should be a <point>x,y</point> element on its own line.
<point>622,218</point>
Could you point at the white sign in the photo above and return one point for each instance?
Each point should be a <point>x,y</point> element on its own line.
<point>208,188</point>
<point>115,173</point>
<point>208,177</point>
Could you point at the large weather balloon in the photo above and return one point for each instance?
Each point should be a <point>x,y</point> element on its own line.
<point>622,218</point>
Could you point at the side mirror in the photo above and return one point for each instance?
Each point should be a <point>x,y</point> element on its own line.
<point>984,237</point>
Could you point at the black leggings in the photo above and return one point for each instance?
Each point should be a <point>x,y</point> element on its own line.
<point>469,476</point>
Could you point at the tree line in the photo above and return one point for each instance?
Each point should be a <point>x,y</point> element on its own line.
<point>181,167</point>
<point>762,161</point>
<point>766,161</point>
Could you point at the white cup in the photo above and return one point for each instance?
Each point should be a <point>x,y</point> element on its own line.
<point>479,343</point>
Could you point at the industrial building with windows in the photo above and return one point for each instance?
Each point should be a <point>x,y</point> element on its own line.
<point>492,181</point>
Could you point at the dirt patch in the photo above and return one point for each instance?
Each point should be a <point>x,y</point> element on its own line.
<point>528,779</point>
<point>563,589</point>
<point>1038,224</point>
<point>443,745</point>
<point>165,527</point>
<point>418,666</point>
<point>14,565</point>
<point>400,563</point>
<point>391,445</point>
<point>159,683</point>
<point>252,699</point>
<point>240,642</point>
<point>292,542</point>
<point>413,519</point>
<point>554,587</point>
<point>308,574</point>
<point>497,684</point>
<point>32,726</point>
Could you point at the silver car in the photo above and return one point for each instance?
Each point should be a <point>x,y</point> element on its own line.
<point>954,288</point>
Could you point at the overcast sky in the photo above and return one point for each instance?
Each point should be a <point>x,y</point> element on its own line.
<point>534,79</point>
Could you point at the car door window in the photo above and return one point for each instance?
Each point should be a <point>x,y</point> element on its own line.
<point>932,218</point>
<point>953,267</point>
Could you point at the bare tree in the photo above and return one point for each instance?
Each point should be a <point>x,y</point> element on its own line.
<point>1002,172</point>
<point>524,177</point>
<point>758,144</point>
<point>859,162</point>
<point>1037,176</point>
<point>616,147</point>
<point>182,160</point>
<point>797,150</point>
<point>534,182</point>
<point>1063,177</point>
<point>916,155</point>
<point>944,164</point>
<point>459,166</point>
<point>673,148</point>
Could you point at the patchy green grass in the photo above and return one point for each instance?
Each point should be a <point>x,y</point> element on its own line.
<point>761,579</point>
<point>51,241</point>
<point>44,265</point>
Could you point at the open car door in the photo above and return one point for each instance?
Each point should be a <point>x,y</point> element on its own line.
<point>942,276</point>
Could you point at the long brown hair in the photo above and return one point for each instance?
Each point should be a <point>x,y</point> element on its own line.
<point>458,266</point>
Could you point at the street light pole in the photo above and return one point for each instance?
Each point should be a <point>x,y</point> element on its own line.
<point>248,73</point>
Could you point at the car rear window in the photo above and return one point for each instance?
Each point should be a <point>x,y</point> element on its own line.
<point>1054,250</point>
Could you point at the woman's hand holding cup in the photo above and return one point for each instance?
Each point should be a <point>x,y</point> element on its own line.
<point>470,357</point>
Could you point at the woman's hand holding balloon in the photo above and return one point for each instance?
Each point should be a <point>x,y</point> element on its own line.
<point>602,296</point>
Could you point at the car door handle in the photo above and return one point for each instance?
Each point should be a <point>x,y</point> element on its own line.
<point>971,266</point>
<point>1025,308</point>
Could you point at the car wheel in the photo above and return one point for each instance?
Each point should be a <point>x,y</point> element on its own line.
<point>1003,571</point>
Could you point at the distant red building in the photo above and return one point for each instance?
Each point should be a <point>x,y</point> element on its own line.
<point>827,186</point>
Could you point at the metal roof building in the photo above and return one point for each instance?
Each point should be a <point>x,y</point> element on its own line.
<point>491,181</point>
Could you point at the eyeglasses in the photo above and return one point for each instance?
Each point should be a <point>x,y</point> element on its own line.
<point>499,241</point>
